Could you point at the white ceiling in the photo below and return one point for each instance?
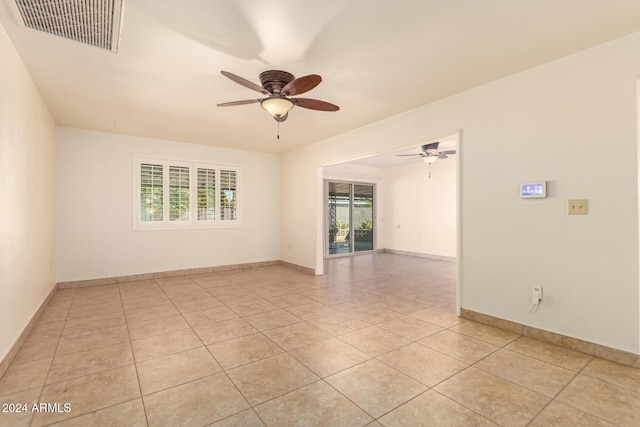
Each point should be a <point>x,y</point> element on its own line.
<point>377,58</point>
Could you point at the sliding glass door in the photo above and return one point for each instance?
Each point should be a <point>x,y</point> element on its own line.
<point>350,217</point>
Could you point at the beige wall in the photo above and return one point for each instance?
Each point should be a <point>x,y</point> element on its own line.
<point>571,122</point>
<point>96,238</point>
<point>27,192</point>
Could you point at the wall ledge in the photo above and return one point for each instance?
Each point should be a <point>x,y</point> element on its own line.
<point>592,349</point>
<point>419,254</point>
<point>202,270</point>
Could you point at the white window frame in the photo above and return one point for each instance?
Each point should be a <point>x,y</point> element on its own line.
<point>193,221</point>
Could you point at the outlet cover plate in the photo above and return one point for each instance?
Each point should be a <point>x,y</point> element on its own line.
<point>578,207</point>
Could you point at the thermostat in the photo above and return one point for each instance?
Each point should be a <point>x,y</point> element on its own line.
<point>533,189</point>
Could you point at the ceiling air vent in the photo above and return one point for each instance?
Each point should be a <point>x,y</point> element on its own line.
<point>93,22</point>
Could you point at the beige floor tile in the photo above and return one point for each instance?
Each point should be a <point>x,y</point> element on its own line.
<point>93,339</point>
<point>423,364</point>
<point>247,308</point>
<point>557,414</point>
<point>338,324</point>
<point>220,291</point>
<point>94,323</point>
<point>90,393</point>
<point>36,349</point>
<point>499,400</point>
<point>130,414</point>
<point>196,303</point>
<point>85,362</point>
<point>403,305</point>
<point>271,291</point>
<point>196,403</point>
<point>296,335</point>
<point>375,387</point>
<point>14,417</point>
<point>311,310</point>
<point>173,280</point>
<point>141,300</point>
<point>495,336</point>
<point>624,376</point>
<point>54,314</point>
<point>163,325</point>
<point>329,356</point>
<point>462,347</point>
<point>175,369</point>
<point>246,418</point>
<point>533,374</point>
<point>374,341</point>
<point>24,376</point>
<point>272,319</point>
<point>438,316</point>
<point>46,330</point>
<point>603,399</point>
<point>150,312</point>
<point>433,409</point>
<point>556,355</point>
<point>316,404</point>
<point>240,351</point>
<point>374,314</point>
<point>409,327</point>
<point>78,312</point>
<point>165,344</point>
<point>272,377</point>
<point>209,315</point>
<point>224,330</point>
<point>289,300</point>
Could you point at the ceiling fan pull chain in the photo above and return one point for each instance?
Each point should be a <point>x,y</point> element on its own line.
<point>429,170</point>
<point>278,132</point>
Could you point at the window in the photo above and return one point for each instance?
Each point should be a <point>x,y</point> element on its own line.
<point>177,194</point>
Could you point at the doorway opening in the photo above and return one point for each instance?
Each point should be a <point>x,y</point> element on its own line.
<point>350,217</point>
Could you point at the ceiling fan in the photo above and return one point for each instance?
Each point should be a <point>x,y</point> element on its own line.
<point>279,87</point>
<point>430,154</point>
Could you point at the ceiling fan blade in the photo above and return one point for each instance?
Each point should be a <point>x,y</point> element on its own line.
<point>406,155</point>
<point>314,104</point>
<point>244,82</point>
<point>448,152</point>
<point>301,85</point>
<point>232,103</point>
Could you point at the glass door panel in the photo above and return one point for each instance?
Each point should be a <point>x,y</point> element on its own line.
<point>339,215</point>
<point>362,217</point>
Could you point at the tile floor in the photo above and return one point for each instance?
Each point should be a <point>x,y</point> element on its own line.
<point>372,342</point>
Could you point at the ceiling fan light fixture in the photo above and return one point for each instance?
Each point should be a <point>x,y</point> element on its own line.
<point>277,106</point>
<point>430,159</point>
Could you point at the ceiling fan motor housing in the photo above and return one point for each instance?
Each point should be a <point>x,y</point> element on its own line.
<point>274,80</point>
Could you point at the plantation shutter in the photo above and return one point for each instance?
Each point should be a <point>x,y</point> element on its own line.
<point>228,195</point>
<point>206,184</point>
<point>178,193</point>
<point>151,192</point>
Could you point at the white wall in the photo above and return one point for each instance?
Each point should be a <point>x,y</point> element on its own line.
<point>418,213</point>
<point>27,191</point>
<point>95,218</point>
<point>571,122</point>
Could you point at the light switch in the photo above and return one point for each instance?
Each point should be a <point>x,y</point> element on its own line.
<point>578,206</point>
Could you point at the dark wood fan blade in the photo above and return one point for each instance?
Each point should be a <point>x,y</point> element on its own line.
<point>448,152</point>
<point>314,104</point>
<point>301,85</point>
<point>244,82</point>
<point>246,101</point>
